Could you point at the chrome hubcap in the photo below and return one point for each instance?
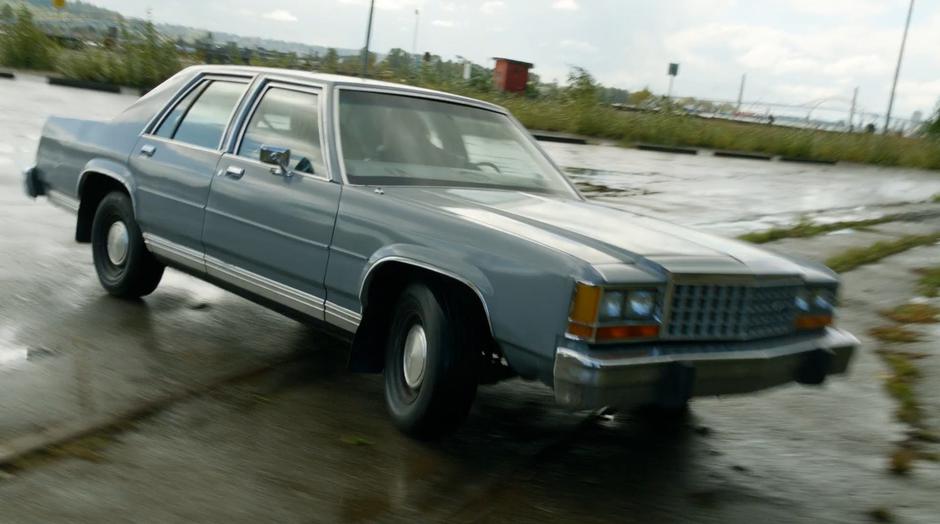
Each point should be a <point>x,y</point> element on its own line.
<point>416,356</point>
<point>117,243</point>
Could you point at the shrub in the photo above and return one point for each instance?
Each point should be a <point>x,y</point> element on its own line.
<point>25,46</point>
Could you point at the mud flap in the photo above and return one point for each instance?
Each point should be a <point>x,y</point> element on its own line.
<point>675,387</point>
<point>814,368</point>
<point>32,184</point>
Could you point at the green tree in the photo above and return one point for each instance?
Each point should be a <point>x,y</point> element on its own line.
<point>330,62</point>
<point>7,15</point>
<point>233,55</point>
<point>205,47</point>
<point>148,59</point>
<point>641,96</point>
<point>582,87</point>
<point>24,45</point>
<point>399,63</point>
<point>932,126</point>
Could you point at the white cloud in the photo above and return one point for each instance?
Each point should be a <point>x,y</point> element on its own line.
<point>839,8</point>
<point>570,5</point>
<point>837,52</point>
<point>390,5</point>
<point>280,15</point>
<point>577,45</point>
<point>442,23</point>
<point>492,7</point>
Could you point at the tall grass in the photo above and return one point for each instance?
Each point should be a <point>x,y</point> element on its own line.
<point>682,130</point>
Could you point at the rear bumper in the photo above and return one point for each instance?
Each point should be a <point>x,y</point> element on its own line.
<point>32,184</point>
<point>586,378</point>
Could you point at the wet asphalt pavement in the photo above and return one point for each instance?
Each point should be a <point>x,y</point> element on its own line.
<point>255,418</point>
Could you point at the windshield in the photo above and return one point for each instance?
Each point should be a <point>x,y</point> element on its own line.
<point>401,140</point>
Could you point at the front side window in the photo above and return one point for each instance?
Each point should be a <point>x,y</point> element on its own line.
<point>286,118</point>
<point>203,124</point>
<point>400,140</point>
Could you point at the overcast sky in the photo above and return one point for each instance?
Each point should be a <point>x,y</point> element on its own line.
<point>793,51</point>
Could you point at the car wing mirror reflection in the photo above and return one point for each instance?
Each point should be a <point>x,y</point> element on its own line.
<point>278,157</point>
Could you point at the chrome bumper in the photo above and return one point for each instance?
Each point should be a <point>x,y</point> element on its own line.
<point>668,374</point>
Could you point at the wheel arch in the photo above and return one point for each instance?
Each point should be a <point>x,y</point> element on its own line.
<point>99,178</point>
<point>384,279</point>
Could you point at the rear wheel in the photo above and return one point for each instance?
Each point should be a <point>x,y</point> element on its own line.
<point>431,361</point>
<point>125,268</point>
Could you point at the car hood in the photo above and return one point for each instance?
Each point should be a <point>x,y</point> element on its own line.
<point>600,234</point>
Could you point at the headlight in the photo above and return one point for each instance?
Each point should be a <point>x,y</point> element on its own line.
<point>608,315</point>
<point>815,307</point>
<point>818,300</point>
<point>641,304</point>
<point>611,306</point>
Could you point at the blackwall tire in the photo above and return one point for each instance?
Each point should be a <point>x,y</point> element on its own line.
<point>126,269</point>
<point>429,395</point>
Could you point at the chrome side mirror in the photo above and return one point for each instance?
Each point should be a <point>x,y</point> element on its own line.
<point>277,156</point>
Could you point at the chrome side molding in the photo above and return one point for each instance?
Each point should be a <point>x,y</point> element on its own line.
<point>293,298</point>
<point>175,253</point>
<point>342,317</point>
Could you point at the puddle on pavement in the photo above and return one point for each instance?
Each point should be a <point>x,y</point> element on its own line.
<point>13,354</point>
<point>594,183</point>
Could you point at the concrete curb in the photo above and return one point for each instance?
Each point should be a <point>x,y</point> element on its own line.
<point>20,447</point>
<point>667,149</point>
<point>563,138</point>
<point>742,154</point>
<point>800,160</point>
<point>84,84</point>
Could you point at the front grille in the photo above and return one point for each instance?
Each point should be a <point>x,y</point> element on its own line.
<point>730,312</point>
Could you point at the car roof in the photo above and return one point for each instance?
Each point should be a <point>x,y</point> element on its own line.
<point>345,81</point>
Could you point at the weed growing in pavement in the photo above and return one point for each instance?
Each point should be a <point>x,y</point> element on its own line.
<point>856,257</point>
<point>914,314</point>
<point>806,229</point>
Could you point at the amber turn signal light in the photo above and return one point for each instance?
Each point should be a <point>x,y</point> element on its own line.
<point>811,322</point>
<point>584,305</point>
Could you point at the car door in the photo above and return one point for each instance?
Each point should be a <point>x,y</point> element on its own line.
<point>266,230</point>
<point>174,163</point>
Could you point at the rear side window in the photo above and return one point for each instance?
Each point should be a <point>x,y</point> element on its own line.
<point>202,123</point>
<point>286,118</point>
<point>172,120</point>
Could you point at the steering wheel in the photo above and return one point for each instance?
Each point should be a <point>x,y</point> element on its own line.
<point>487,164</point>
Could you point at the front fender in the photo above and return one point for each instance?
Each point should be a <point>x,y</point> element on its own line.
<point>431,260</point>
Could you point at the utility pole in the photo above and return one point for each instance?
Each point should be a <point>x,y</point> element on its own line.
<point>897,70</point>
<point>365,50</point>
<point>741,92</point>
<point>852,110</point>
<point>414,38</point>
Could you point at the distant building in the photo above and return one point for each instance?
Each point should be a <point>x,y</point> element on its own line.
<point>511,75</point>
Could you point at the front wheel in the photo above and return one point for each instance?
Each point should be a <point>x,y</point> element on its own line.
<point>125,268</point>
<point>430,365</point>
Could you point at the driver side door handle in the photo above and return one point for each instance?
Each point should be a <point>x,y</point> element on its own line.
<point>233,172</point>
